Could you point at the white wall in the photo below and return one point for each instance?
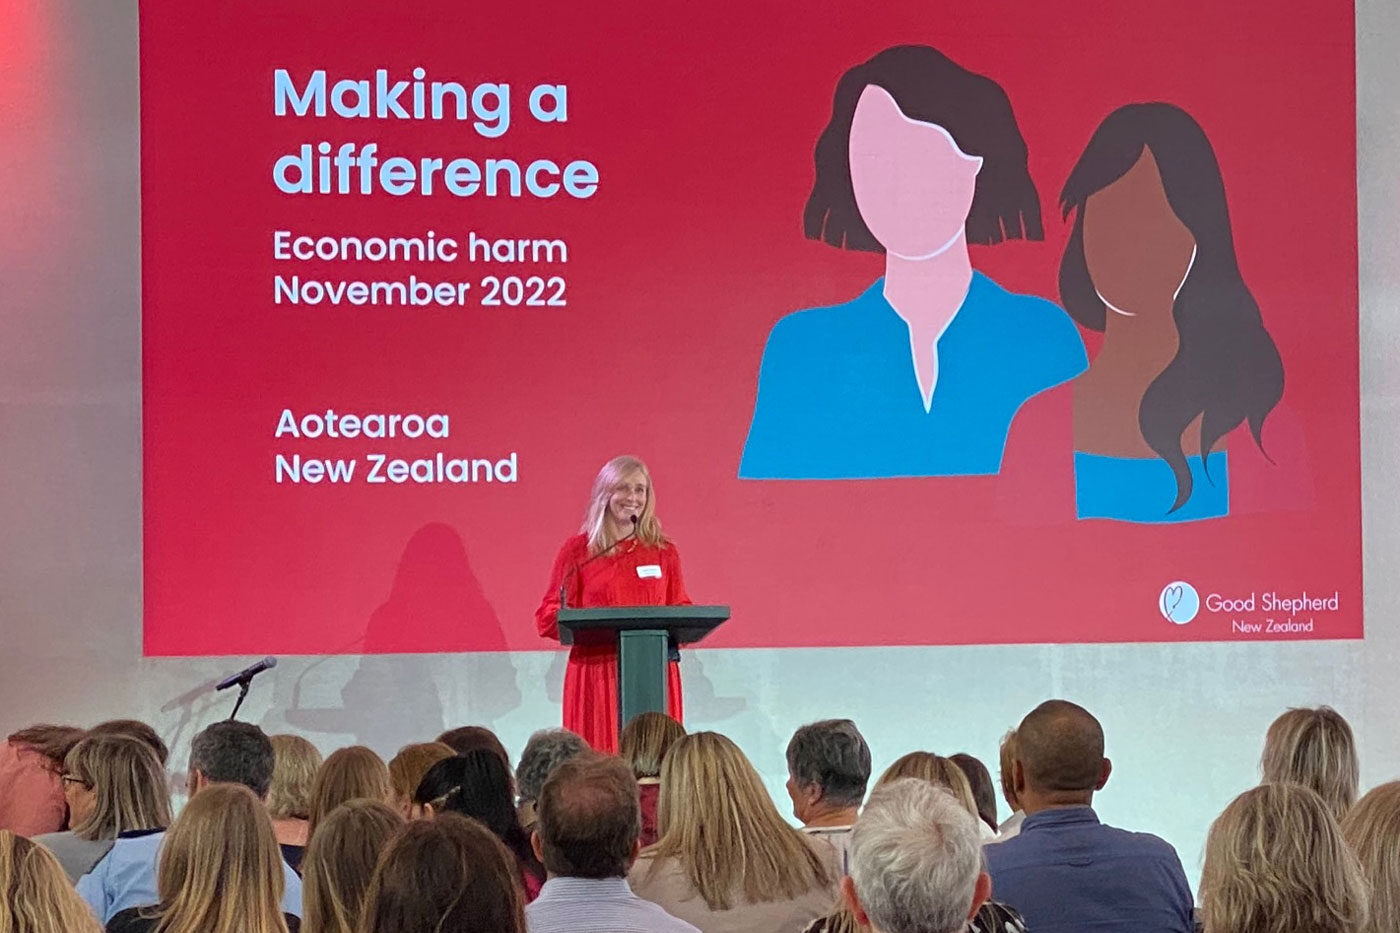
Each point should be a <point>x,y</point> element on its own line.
<point>1184,722</point>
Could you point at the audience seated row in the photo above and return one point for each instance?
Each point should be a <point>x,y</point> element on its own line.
<point>446,837</point>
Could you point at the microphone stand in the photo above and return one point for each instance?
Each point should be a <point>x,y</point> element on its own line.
<point>243,686</point>
<point>576,568</point>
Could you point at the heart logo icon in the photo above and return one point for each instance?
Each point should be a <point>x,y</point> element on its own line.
<point>1179,602</point>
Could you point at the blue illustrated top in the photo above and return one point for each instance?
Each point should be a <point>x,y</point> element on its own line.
<point>838,397</point>
<point>1133,489</point>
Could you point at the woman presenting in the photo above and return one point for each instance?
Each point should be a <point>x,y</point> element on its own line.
<point>619,558</point>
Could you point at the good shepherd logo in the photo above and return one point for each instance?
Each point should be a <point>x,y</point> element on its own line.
<point>1179,602</point>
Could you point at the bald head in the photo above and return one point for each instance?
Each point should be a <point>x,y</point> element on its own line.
<point>1060,749</point>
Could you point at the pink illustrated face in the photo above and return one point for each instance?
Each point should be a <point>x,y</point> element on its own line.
<point>912,183</point>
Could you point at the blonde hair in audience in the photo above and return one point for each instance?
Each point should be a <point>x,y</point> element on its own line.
<point>936,770</point>
<point>35,894</point>
<point>600,532</point>
<point>1006,755</point>
<point>294,768</point>
<point>348,774</point>
<point>220,870</point>
<point>646,740</point>
<point>1276,863</point>
<point>1314,748</point>
<point>407,768</point>
<point>340,862</point>
<point>1372,829</point>
<point>717,820</point>
<point>129,782</point>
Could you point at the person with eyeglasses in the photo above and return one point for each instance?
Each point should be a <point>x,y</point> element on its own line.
<point>114,784</point>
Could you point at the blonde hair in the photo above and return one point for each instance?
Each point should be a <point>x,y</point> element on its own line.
<point>294,765</point>
<point>1372,829</point>
<point>1276,863</point>
<point>340,862</point>
<point>646,740</point>
<point>1006,777</point>
<point>35,893</point>
<point>716,819</point>
<point>936,770</point>
<point>601,533</point>
<point>220,870</point>
<point>1314,748</point>
<point>129,782</point>
<point>348,774</point>
<point>407,768</point>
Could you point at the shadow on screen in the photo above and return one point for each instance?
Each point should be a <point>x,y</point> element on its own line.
<point>395,695</point>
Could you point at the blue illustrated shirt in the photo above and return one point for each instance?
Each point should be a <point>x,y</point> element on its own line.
<point>1131,489</point>
<point>838,397</point>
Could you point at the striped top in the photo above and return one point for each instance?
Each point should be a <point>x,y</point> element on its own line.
<point>597,905</point>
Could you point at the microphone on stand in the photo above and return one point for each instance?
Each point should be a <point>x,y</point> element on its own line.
<point>573,571</point>
<point>247,674</point>
<point>242,679</point>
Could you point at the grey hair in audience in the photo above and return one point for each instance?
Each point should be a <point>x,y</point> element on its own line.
<point>546,750</point>
<point>234,753</point>
<point>915,859</point>
<point>831,754</point>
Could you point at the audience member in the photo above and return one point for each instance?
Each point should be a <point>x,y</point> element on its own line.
<point>588,836</point>
<point>448,875</point>
<point>352,773</point>
<point>136,729</point>
<point>1314,748</point>
<point>916,864</point>
<point>1007,755</point>
<point>546,750</point>
<point>926,766</point>
<point>295,762</point>
<point>220,871</point>
<point>1066,871</point>
<point>114,784</point>
<point>983,791</point>
<point>34,895</point>
<point>726,860</point>
<point>992,916</point>
<point>828,769</point>
<point>31,791</point>
<point>340,862</point>
<point>478,785</point>
<point>465,739</point>
<point>1372,829</point>
<point>406,770</point>
<point>224,753</point>
<point>643,746</point>
<point>1276,863</point>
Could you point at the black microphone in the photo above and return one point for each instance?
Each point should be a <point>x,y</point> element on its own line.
<point>247,674</point>
<point>573,571</point>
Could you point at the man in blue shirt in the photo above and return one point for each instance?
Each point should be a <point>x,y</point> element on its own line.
<point>226,752</point>
<point>1066,872</point>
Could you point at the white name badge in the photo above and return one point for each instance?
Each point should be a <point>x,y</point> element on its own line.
<point>649,571</point>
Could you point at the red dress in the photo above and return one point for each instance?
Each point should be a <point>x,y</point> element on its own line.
<point>628,576</point>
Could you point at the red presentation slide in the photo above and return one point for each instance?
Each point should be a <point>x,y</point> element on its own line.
<point>934,323</point>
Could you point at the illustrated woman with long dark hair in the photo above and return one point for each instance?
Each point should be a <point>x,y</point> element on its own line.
<point>1185,357</point>
<point>922,373</point>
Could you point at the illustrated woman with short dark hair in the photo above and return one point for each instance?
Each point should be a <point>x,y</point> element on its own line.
<point>1185,357</point>
<point>922,373</point>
